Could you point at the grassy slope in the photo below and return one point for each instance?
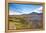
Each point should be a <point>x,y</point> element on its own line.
<point>19,22</point>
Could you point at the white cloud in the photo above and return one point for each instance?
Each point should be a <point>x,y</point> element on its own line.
<point>17,13</point>
<point>14,13</point>
<point>38,10</point>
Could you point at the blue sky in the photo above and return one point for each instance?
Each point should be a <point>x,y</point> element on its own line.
<point>18,9</point>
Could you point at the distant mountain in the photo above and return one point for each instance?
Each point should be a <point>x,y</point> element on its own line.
<point>33,13</point>
<point>36,13</point>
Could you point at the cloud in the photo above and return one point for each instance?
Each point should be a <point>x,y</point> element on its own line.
<point>14,13</point>
<point>17,13</point>
<point>38,10</point>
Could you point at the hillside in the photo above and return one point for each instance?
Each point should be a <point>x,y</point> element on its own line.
<point>26,21</point>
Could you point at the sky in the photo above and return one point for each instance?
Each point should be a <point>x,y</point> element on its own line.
<point>19,9</point>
